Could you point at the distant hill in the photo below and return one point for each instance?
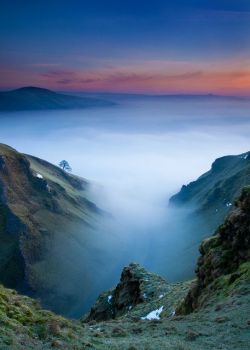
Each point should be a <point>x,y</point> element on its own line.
<point>35,98</point>
<point>115,96</point>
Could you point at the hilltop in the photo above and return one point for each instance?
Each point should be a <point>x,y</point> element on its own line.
<point>213,194</point>
<point>35,98</point>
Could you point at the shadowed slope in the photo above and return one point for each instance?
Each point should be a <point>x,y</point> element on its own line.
<point>42,207</point>
<point>34,98</point>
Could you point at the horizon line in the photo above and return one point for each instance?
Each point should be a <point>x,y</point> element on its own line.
<point>173,94</point>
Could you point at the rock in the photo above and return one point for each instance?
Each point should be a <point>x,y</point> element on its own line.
<point>221,319</point>
<point>92,322</point>
<point>191,335</point>
<point>218,307</point>
<point>57,344</point>
<point>2,163</point>
<point>136,286</point>
<point>54,328</point>
<point>222,254</point>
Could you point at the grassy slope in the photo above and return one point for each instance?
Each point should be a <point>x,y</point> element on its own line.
<point>222,323</point>
<point>48,210</point>
<point>220,320</point>
<point>203,204</point>
<point>209,196</point>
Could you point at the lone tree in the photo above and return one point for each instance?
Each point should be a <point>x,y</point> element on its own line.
<point>65,165</point>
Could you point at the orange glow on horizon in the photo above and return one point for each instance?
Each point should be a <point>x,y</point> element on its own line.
<point>182,78</point>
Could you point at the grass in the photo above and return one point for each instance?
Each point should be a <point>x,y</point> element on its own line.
<point>36,215</point>
<point>222,323</point>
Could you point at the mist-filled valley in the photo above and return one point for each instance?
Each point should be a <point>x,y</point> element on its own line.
<point>135,155</point>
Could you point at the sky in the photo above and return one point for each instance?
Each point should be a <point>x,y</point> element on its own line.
<point>139,46</point>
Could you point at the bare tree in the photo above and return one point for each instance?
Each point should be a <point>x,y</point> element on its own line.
<point>65,165</point>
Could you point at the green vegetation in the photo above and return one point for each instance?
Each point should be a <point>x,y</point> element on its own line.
<point>41,206</point>
<point>212,195</point>
<point>222,323</point>
<point>203,205</point>
<point>224,257</point>
<point>211,312</point>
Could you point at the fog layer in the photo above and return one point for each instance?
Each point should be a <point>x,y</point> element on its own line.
<point>136,155</point>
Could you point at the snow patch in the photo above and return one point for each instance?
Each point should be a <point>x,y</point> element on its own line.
<point>153,315</point>
<point>39,176</point>
<point>229,204</point>
<point>245,156</point>
<point>110,298</point>
<point>161,296</point>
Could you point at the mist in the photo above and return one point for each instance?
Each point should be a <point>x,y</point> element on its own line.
<point>135,156</point>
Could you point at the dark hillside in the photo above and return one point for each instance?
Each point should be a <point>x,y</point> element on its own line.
<point>42,206</point>
<point>34,98</point>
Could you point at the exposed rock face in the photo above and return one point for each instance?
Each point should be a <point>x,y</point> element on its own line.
<point>223,253</point>
<point>136,286</point>
<point>12,264</point>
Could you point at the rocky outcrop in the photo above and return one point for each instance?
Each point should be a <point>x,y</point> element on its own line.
<point>223,253</point>
<point>12,264</point>
<point>136,286</point>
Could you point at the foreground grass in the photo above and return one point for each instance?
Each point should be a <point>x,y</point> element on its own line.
<point>222,323</point>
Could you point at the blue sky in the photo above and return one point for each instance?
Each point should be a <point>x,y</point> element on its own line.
<point>100,39</point>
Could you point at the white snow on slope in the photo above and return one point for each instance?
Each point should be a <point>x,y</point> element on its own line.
<point>245,156</point>
<point>153,315</point>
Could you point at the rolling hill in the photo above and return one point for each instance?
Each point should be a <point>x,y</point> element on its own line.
<point>35,98</point>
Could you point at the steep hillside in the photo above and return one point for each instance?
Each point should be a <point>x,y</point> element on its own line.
<point>202,205</point>
<point>225,257</point>
<point>213,194</point>
<point>145,312</point>
<point>34,98</point>
<point>43,210</point>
